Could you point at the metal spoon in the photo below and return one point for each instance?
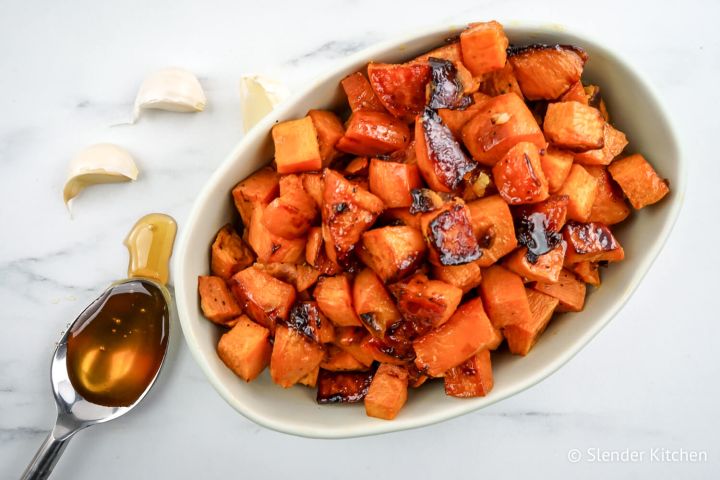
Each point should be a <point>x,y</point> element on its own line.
<point>74,412</point>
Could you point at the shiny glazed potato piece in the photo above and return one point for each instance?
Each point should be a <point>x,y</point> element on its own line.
<point>473,378</point>
<point>522,337</point>
<point>568,290</point>
<point>292,213</point>
<point>449,235</point>
<point>387,393</point>
<point>493,225</point>
<point>615,143</point>
<point>638,180</point>
<point>339,360</point>
<point>519,176</point>
<point>373,303</point>
<point>392,252</point>
<point>581,189</point>
<point>504,297</point>
<point>229,254</point>
<point>574,126</point>
<point>588,272</point>
<point>609,206</point>
<point>329,130</point>
<point>306,318</point>
<point>334,297</point>
<point>259,188</point>
<point>314,186</point>
<point>556,165</point>
<point>245,349</point>
<point>360,94</point>
<point>293,357</point>
<point>216,302</point>
<point>591,242</point>
<point>371,133</point>
<point>296,146</point>
<point>453,53</point>
<point>465,277</point>
<point>264,298</point>
<point>269,247</point>
<point>392,182</point>
<point>342,387</point>
<point>400,87</point>
<point>455,120</point>
<point>547,72</point>
<point>547,268</point>
<point>446,89</point>
<point>427,303</point>
<point>467,332</point>
<point>576,93</point>
<point>484,47</point>
<point>353,340</point>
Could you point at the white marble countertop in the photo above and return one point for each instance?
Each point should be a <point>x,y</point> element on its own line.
<point>69,70</point>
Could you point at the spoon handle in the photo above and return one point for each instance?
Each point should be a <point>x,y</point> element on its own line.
<point>45,459</point>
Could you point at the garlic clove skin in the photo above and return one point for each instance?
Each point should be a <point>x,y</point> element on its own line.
<point>99,163</point>
<point>259,95</point>
<point>172,89</point>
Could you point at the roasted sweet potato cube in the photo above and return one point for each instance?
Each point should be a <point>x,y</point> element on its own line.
<point>306,318</point>
<point>373,303</point>
<point>329,130</point>
<point>264,298</point>
<point>504,297</point>
<point>574,126</point>
<point>450,236</point>
<point>426,302</point>
<point>547,268</point>
<point>229,254</point>
<point>301,277</point>
<point>556,165</point>
<point>615,143</point>
<point>588,272</point>
<point>576,93</point>
<point>259,188</point>
<point>334,297</point>
<point>216,302</point>
<point>270,247</point>
<point>360,94</point>
<point>342,387</point>
<point>581,189</point>
<point>445,89</point>
<point>314,185</point>
<point>352,340</point>
<point>293,356</point>
<point>500,82</point>
<point>519,176</point>
<point>310,380</point>
<point>568,290</point>
<point>292,213</point>
<point>472,378</point>
<point>502,122</point>
<point>465,277</point>
<point>387,393</point>
<point>296,146</point>
<point>441,160</point>
<point>313,246</point>
<point>393,181</point>
<point>370,133</point>
<point>546,72</point>
<point>521,337</point>
<point>358,166</point>
<point>455,120</point>
<point>609,206</point>
<point>591,242</point>
<point>638,180</point>
<point>402,217</point>
<point>453,53</point>
<point>392,252</point>
<point>245,349</point>
<point>483,47</point>
<point>338,360</point>
<point>493,225</point>
<point>400,87</point>
<point>393,348</point>
<point>551,213</point>
<point>466,333</point>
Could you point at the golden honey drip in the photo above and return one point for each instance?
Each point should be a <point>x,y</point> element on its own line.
<point>150,243</point>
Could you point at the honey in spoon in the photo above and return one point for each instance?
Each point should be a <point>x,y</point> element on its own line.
<point>116,346</point>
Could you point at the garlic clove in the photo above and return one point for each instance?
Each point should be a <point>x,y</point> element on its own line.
<point>259,96</point>
<point>172,89</point>
<point>99,163</point>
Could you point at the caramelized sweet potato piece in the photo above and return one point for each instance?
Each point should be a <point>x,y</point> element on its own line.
<point>334,297</point>
<point>401,217</point>
<point>292,213</point>
<point>393,181</point>
<point>259,188</point>
<point>269,247</point>
<point>576,93</point>
<point>465,277</point>
<point>395,347</point>
<point>519,176</point>
<point>216,302</point>
<point>400,87</point>
<point>581,189</point>
<point>360,94</point>
<point>424,302</point>
<point>472,378</point>
<point>310,380</point>
<point>264,298</point>
<point>466,333</point>
<point>301,277</point>
<point>446,90</point>
<point>493,226</point>
<point>293,356</point>
<point>245,349</point>
<point>556,165</point>
<point>338,360</point>
<point>588,272</point>
<point>329,130</point>
<point>440,158</point>
<point>638,180</point>
<point>546,72</point>
<point>358,166</point>
<point>387,393</point>
<point>614,143</point>
<point>427,200</point>
<point>455,120</point>
<point>609,206</point>
<point>502,122</point>
<point>453,53</point>
<point>313,246</point>
<point>591,242</point>
<point>501,82</point>
<point>296,146</point>
<point>574,126</point>
<point>504,297</point>
<point>373,303</point>
<point>306,318</point>
<point>353,341</point>
<point>483,47</point>
<point>568,289</point>
<point>449,234</point>
<point>229,254</point>
<point>372,133</point>
<point>521,337</point>
<point>342,387</point>
<point>314,186</point>
<point>538,228</point>
<point>546,268</point>
<point>392,252</point>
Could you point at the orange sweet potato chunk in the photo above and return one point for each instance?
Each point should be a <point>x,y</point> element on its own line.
<point>615,143</point>
<point>556,165</point>
<point>522,337</point>
<point>483,47</point>
<point>314,186</point>
<point>360,94</point>
<point>371,133</point>
<point>576,93</point>
<point>338,360</point>
<point>465,277</point>
<point>264,298</point>
<point>329,131</point>
<point>400,87</point>
<point>216,302</point>
<point>393,181</point>
<point>373,303</point>
<point>591,242</point>
<point>638,180</point>
<point>500,82</point>
<point>547,268</point>
<point>296,146</point>
<point>449,234</point>
<point>504,297</point>
<point>456,119</point>
<point>342,387</point>
<point>588,272</point>
<point>353,340</point>
<point>546,72</point>
<point>467,332</point>
<point>568,290</point>
<point>334,297</point>
<point>387,393</point>
<point>581,189</point>
<point>574,126</point>
<point>245,349</point>
<point>493,226</point>
<point>473,378</point>
<point>306,318</point>
<point>392,252</point>
<point>453,53</point>
<point>609,206</point>
<point>229,254</point>
<point>424,302</point>
<point>269,247</point>
<point>519,176</point>
<point>293,357</point>
<point>259,188</point>
<point>292,213</point>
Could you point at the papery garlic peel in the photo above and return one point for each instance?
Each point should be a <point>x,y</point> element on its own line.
<point>172,89</point>
<point>259,95</point>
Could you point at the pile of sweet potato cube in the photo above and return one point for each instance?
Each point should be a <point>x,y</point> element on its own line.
<point>467,196</point>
